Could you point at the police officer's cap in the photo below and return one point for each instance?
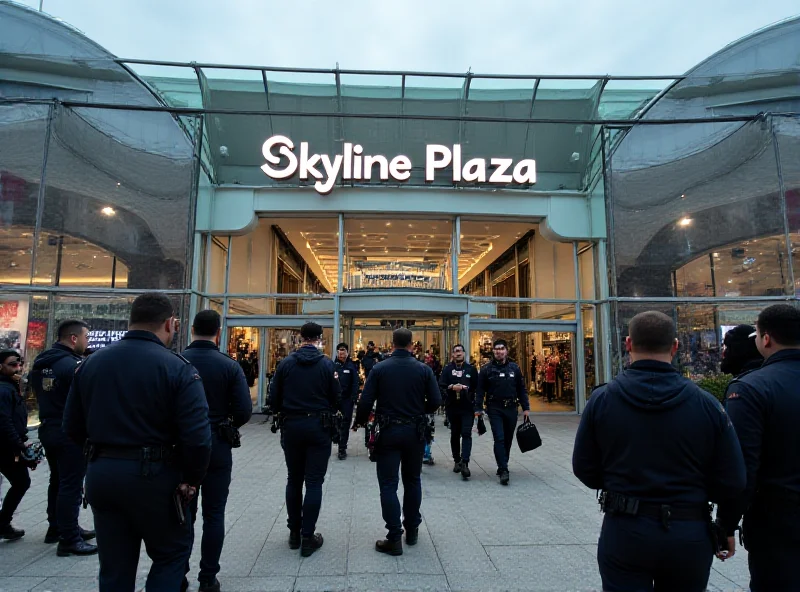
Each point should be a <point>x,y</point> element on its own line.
<point>310,331</point>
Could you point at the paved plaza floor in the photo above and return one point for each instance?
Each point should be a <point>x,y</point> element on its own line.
<point>540,533</point>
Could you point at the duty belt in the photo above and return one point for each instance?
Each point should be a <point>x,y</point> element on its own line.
<point>143,453</point>
<point>505,403</point>
<point>618,504</point>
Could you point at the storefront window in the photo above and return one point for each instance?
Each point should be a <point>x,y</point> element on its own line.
<point>589,357</point>
<point>489,257</point>
<point>218,264</point>
<point>586,269</point>
<point>787,130</point>
<point>243,346</point>
<point>398,254</point>
<point>22,134</point>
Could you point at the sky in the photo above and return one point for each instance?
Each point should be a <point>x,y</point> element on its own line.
<point>617,37</point>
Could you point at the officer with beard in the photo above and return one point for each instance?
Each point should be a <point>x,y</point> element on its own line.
<point>347,373</point>
<point>458,383</point>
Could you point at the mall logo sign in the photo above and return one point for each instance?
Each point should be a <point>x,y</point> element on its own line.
<point>355,166</point>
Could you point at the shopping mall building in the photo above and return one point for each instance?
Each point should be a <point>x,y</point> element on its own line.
<point>547,210</point>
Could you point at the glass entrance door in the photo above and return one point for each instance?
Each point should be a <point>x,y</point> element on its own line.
<point>547,361</point>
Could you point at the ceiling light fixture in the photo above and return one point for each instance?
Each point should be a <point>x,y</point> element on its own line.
<point>685,221</point>
<point>108,211</point>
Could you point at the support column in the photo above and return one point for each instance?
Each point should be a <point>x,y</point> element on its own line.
<point>580,362</point>
<point>605,311</point>
<point>339,286</point>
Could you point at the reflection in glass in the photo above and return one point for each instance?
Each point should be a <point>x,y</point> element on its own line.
<point>243,346</point>
<point>398,254</point>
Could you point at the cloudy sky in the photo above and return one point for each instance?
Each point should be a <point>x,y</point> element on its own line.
<point>532,37</point>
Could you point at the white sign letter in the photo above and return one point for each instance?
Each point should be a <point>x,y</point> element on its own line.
<point>332,169</point>
<point>384,166</point>
<point>529,176</point>
<point>431,164</point>
<point>400,168</point>
<point>499,176</point>
<point>475,170</point>
<point>307,164</point>
<point>286,147</point>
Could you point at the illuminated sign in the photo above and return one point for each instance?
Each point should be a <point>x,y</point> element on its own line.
<point>353,165</point>
<point>99,339</point>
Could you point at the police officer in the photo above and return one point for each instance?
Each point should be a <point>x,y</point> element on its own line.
<point>502,385</point>
<point>229,408</point>
<point>405,390</point>
<point>306,393</point>
<point>50,379</point>
<point>143,411</point>
<point>371,358</point>
<point>765,410</point>
<point>660,448</point>
<point>347,373</point>
<point>458,383</point>
<point>13,434</point>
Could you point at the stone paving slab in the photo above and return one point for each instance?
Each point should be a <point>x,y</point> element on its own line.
<point>540,533</point>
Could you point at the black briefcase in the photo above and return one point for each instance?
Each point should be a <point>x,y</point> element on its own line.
<point>528,436</point>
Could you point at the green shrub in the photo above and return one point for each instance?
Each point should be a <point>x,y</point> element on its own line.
<point>716,384</point>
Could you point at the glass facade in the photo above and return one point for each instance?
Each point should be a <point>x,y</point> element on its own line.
<point>681,195</point>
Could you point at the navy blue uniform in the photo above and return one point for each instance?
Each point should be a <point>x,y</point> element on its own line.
<point>229,401</point>
<point>304,386</point>
<point>502,386</point>
<point>765,410</point>
<point>460,407</point>
<point>405,390</point>
<point>50,378</point>
<point>13,434</point>
<point>348,381</point>
<point>652,435</point>
<point>371,358</point>
<point>132,394</point>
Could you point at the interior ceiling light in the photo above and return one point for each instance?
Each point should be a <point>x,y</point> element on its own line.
<point>388,224</point>
<point>685,221</point>
<point>108,211</point>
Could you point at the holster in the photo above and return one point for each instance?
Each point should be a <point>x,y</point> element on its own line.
<point>277,423</point>
<point>89,451</point>
<point>228,433</point>
<point>719,538</point>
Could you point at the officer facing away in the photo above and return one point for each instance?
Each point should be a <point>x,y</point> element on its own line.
<point>501,383</point>
<point>13,434</point>
<point>306,394</point>
<point>405,390</point>
<point>229,407</point>
<point>142,412</point>
<point>347,373</point>
<point>50,378</point>
<point>458,383</point>
<point>765,410</point>
<point>660,448</point>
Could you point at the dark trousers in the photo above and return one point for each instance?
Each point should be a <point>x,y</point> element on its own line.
<point>65,490</point>
<point>772,538</point>
<point>307,448</point>
<point>399,453</point>
<point>130,507</point>
<point>461,434</point>
<point>18,479</point>
<point>503,421</point>
<point>214,491</point>
<point>639,554</point>
<point>344,432</point>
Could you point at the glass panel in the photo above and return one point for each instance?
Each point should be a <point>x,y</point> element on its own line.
<point>397,253</point>
<point>218,264</point>
<point>243,346</point>
<point>590,370</point>
<point>428,335</point>
<point>787,130</point>
<point>102,168</point>
<point>625,99</point>
<point>228,88</point>
<point>107,317</point>
<point>282,305</point>
<point>177,86</point>
<point>546,361</point>
<point>282,342</point>
<point>586,271</point>
<point>492,309</point>
<point>683,191</point>
<point>22,141</point>
<point>554,269</point>
<point>488,246</point>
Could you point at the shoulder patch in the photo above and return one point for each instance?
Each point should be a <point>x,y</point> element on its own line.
<point>733,395</point>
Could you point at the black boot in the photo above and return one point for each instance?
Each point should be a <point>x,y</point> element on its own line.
<point>88,535</point>
<point>294,539</point>
<point>394,548</point>
<point>79,548</point>
<point>465,472</point>
<point>51,536</point>
<point>209,586</point>
<point>310,544</point>
<point>10,533</point>
<point>412,536</point>
<point>504,477</point>
<point>342,454</point>
<point>457,467</point>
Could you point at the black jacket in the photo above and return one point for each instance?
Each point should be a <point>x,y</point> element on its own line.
<point>403,388</point>
<point>13,417</point>
<point>454,374</point>
<point>498,382</point>
<point>348,377</point>
<point>51,377</point>
<point>224,382</point>
<point>305,382</point>
<point>136,393</point>
<point>656,436</point>
<point>371,358</point>
<point>764,407</point>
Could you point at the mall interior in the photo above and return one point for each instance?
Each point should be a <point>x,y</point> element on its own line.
<point>677,193</point>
